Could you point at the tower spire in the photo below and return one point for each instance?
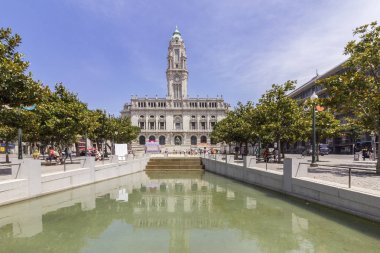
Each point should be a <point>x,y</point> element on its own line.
<point>176,72</point>
<point>176,34</point>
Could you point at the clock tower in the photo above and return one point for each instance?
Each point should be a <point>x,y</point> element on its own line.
<point>176,73</point>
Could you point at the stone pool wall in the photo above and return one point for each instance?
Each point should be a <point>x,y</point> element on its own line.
<point>293,181</point>
<point>29,182</point>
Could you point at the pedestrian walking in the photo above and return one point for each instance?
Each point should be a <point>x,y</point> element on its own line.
<point>68,154</point>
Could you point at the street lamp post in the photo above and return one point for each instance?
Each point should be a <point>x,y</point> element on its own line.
<point>27,108</point>
<point>114,142</point>
<point>104,138</point>
<point>19,143</point>
<point>373,142</point>
<point>85,144</point>
<point>312,98</point>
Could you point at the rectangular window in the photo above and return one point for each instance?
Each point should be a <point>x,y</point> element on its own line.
<point>151,125</point>
<point>192,125</point>
<point>203,125</point>
<point>142,126</point>
<point>177,126</point>
<point>162,125</point>
<point>176,55</point>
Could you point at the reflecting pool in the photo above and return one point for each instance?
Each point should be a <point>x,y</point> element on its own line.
<point>168,212</point>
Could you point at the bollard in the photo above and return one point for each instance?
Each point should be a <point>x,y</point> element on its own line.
<point>249,161</point>
<point>349,178</point>
<point>290,170</point>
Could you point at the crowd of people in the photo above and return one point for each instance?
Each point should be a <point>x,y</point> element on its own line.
<point>192,152</point>
<point>53,154</point>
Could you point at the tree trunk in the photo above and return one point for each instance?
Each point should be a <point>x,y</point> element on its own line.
<point>378,156</point>
<point>6,152</point>
<point>77,151</point>
<point>317,151</point>
<point>279,151</point>
<point>283,150</point>
<point>253,144</point>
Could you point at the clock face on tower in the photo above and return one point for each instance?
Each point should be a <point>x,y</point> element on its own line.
<point>176,78</point>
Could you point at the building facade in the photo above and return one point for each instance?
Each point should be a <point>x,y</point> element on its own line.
<point>342,144</point>
<point>176,121</point>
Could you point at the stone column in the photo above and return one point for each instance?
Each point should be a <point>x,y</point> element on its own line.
<point>249,161</point>
<point>30,169</point>
<point>230,159</point>
<point>114,159</point>
<point>293,168</point>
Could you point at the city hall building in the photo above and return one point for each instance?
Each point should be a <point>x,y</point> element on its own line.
<point>176,121</point>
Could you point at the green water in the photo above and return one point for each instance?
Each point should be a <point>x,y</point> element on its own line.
<point>179,213</point>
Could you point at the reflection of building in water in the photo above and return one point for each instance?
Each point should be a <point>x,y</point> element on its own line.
<point>300,226</point>
<point>250,203</point>
<point>179,205</point>
<point>122,195</point>
<point>175,195</point>
<point>173,206</point>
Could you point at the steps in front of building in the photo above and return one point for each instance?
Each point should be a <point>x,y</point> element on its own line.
<point>175,174</point>
<point>137,147</point>
<point>169,164</point>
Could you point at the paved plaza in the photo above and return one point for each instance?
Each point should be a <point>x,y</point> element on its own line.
<point>361,179</point>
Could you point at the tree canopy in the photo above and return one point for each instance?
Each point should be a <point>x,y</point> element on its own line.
<point>283,119</point>
<point>17,87</point>
<point>52,117</point>
<point>356,91</point>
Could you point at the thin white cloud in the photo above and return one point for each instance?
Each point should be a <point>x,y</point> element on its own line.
<point>311,43</point>
<point>244,44</point>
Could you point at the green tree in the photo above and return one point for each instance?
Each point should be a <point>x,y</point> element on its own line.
<point>326,126</point>
<point>16,86</point>
<point>356,91</point>
<point>352,131</point>
<point>232,129</point>
<point>100,132</point>
<point>63,117</point>
<point>283,119</point>
<point>11,120</point>
<point>124,131</point>
<point>241,126</point>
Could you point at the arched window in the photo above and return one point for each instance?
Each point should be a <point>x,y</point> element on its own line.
<point>152,138</point>
<point>193,140</point>
<point>178,123</point>
<point>142,140</point>
<point>178,140</point>
<point>161,140</point>
<point>203,139</point>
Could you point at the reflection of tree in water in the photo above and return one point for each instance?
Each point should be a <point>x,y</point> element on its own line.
<point>279,222</point>
<point>180,207</point>
<point>67,229</point>
<point>268,225</point>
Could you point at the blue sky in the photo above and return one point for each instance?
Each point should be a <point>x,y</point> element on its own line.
<point>108,50</point>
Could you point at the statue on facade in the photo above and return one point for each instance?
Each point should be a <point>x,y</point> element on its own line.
<point>177,140</point>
